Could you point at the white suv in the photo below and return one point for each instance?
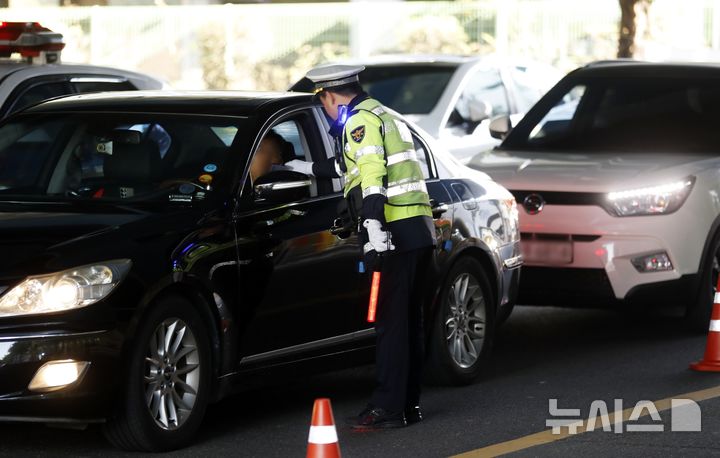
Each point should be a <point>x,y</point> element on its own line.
<point>617,169</point>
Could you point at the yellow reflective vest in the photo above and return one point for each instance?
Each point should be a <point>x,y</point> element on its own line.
<point>380,158</point>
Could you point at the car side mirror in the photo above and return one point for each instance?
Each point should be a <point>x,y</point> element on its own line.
<point>500,127</point>
<point>479,110</point>
<point>281,186</point>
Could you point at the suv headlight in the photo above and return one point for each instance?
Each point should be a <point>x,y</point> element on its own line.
<point>655,200</point>
<point>69,289</point>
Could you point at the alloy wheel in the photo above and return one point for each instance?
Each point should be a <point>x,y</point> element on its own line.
<point>172,373</point>
<point>465,320</point>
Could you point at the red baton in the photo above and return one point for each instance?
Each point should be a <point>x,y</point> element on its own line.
<point>374,290</point>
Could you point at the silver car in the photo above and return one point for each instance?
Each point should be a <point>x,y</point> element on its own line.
<point>453,97</point>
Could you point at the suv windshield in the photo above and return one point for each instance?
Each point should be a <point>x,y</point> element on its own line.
<point>631,115</point>
<point>128,157</point>
<point>406,88</point>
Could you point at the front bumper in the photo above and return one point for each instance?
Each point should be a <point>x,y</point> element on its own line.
<point>87,400</point>
<point>604,247</point>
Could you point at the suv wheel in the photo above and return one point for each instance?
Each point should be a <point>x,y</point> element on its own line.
<point>464,325</point>
<point>168,381</point>
<point>697,316</point>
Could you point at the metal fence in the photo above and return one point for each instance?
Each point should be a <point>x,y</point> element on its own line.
<point>265,46</point>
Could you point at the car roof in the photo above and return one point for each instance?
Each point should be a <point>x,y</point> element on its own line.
<point>426,59</point>
<point>227,103</point>
<point>639,69</point>
<point>12,68</point>
<point>9,67</point>
<point>436,59</point>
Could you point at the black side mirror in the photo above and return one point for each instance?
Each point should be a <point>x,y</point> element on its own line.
<point>500,127</point>
<point>282,186</point>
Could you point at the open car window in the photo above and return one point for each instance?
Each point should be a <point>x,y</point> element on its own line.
<point>292,137</point>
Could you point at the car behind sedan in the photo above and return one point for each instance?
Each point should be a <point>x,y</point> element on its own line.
<point>146,276</point>
<point>453,97</point>
<point>31,70</point>
<point>618,175</point>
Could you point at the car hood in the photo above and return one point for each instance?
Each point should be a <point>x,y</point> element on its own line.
<point>38,241</point>
<point>24,235</point>
<point>592,172</point>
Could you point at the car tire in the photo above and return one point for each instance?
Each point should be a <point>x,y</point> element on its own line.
<point>697,314</point>
<point>463,328</point>
<point>167,386</point>
<point>504,314</point>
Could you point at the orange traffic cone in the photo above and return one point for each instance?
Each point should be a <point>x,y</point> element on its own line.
<point>323,440</point>
<point>711,361</point>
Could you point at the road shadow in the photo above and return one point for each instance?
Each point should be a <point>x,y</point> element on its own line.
<point>535,343</point>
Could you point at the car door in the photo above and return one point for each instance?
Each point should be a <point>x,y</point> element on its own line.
<point>299,281</point>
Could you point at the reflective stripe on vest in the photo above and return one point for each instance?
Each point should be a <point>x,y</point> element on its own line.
<point>369,150</point>
<point>374,190</point>
<point>407,155</point>
<point>399,189</point>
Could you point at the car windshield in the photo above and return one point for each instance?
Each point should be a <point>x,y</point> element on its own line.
<point>128,157</point>
<point>631,115</point>
<point>407,89</point>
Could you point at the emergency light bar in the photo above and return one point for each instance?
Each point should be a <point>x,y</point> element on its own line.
<point>30,40</point>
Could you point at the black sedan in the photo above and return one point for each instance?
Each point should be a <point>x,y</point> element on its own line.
<point>146,274</point>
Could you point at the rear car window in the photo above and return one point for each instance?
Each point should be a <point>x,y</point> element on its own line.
<point>407,89</point>
<point>40,92</point>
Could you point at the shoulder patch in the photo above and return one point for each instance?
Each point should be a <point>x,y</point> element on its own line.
<point>358,134</point>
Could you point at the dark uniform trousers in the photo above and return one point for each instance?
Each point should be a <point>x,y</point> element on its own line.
<point>399,329</point>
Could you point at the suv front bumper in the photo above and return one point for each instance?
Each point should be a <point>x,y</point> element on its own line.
<point>603,248</point>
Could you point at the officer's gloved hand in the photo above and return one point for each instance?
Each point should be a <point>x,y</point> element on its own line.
<point>379,240</point>
<point>296,165</point>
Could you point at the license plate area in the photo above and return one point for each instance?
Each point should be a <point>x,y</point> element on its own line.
<point>549,252</point>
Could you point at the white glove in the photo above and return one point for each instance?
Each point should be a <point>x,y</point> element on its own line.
<point>296,165</point>
<point>378,240</point>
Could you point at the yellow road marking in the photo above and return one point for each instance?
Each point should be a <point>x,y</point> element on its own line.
<point>546,437</point>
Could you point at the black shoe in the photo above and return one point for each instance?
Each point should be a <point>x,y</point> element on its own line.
<point>377,418</point>
<point>413,415</point>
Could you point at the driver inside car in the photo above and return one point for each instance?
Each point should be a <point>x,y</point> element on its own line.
<point>272,153</point>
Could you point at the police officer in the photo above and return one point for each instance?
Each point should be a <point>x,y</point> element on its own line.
<point>386,192</point>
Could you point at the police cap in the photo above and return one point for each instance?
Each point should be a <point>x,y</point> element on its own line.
<point>333,76</point>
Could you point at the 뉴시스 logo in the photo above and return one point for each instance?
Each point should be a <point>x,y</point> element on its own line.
<point>685,416</point>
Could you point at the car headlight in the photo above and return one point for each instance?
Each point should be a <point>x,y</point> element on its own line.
<point>69,289</point>
<point>655,200</point>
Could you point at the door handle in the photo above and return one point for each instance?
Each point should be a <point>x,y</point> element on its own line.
<point>292,213</point>
<point>438,208</point>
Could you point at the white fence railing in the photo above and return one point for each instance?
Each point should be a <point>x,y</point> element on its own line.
<point>264,46</point>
